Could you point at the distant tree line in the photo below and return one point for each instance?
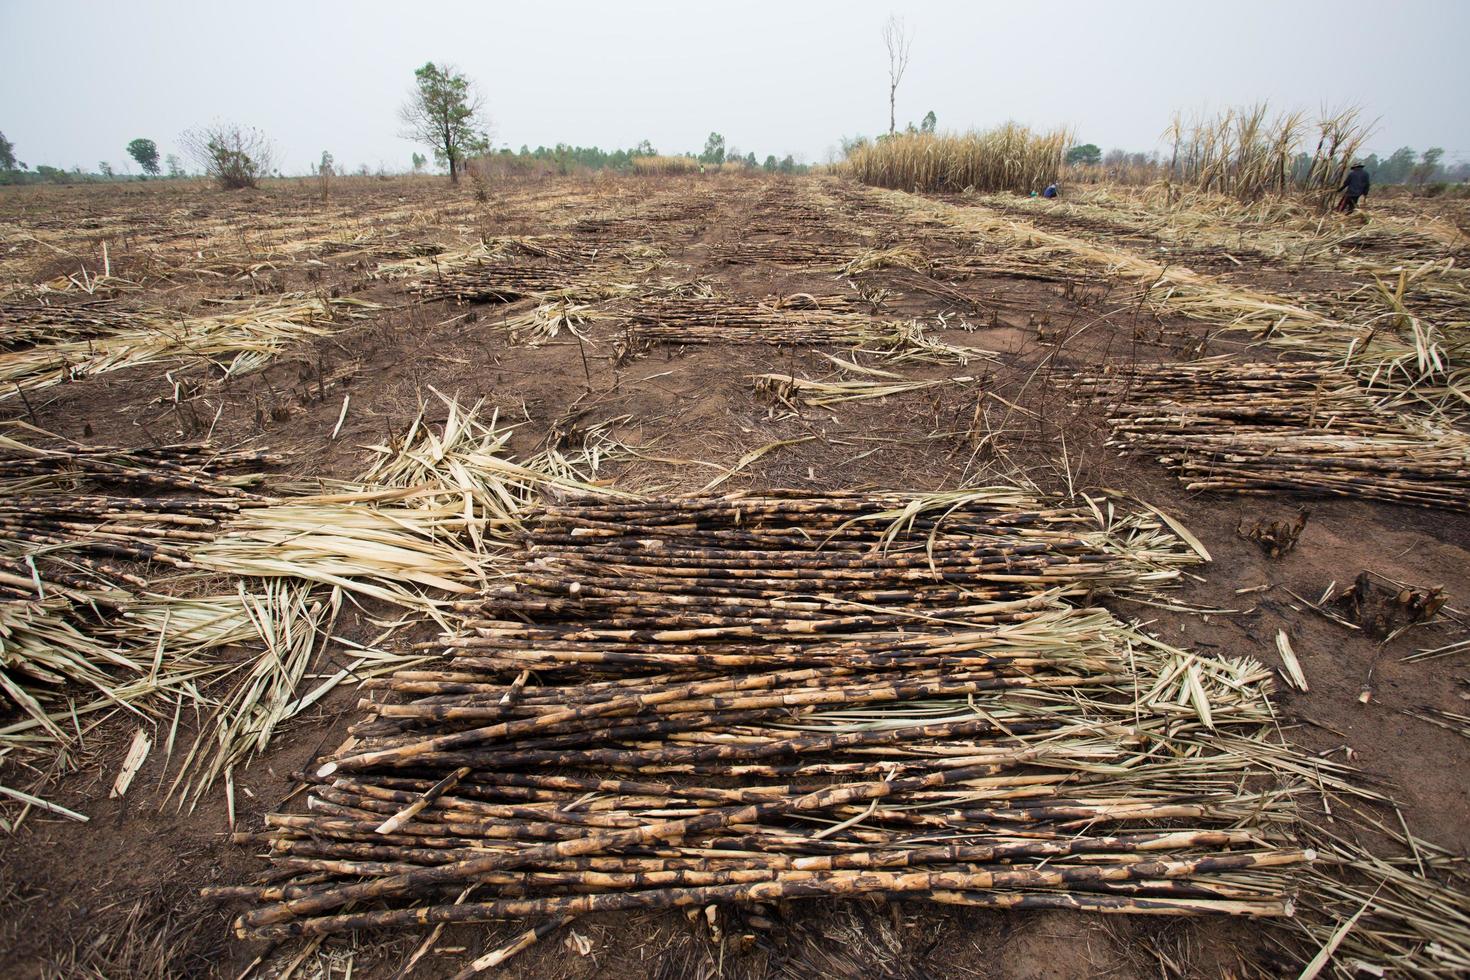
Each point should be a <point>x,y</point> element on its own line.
<point>1404,166</point>
<point>143,151</point>
<point>564,158</point>
<point>444,111</point>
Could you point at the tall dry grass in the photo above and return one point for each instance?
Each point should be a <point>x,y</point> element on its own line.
<point>1008,158</point>
<point>1247,154</point>
<point>665,165</point>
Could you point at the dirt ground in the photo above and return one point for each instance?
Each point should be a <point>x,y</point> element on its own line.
<point>118,896</point>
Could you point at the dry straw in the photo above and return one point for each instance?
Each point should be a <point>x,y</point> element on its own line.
<point>237,341</point>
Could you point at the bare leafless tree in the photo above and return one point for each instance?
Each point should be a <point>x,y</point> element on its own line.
<point>898,39</point>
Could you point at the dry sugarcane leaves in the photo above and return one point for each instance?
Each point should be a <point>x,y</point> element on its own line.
<point>1276,538</point>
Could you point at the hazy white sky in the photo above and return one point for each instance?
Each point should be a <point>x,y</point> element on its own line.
<point>79,80</point>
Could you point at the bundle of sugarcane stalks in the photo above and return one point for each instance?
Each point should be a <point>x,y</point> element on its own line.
<point>759,698</point>
<point>503,270</point>
<point>241,338</point>
<point>1297,428</point>
<point>504,281</point>
<point>818,256</point>
<point>102,550</point>
<point>800,319</point>
<point>89,505</point>
<point>25,324</point>
<point>788,389</point>
<point>797,320</point>
<point>80,526</point>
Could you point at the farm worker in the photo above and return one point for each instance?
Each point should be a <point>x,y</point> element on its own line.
<point>1051,190</point>
<point>1354,187</point>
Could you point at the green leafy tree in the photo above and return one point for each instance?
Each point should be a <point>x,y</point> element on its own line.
<point>714,149</point>
<point>1398,167</point>
<point>1087,155</point>
<point>7,153</point>
<point>146,153</point>
<point>419,162</point>
<point>1428,165</point>
<point>750,161</point>
<point>929,122</point>
<point>325,171</point>
<point>105,169</point>
<point>645,149</point>
<point>445,112</point>
<point>771,163</point>
<point>175,165</point>
<point>788,164</point>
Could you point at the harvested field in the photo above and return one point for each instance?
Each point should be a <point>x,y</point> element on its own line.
<point>675,574</point>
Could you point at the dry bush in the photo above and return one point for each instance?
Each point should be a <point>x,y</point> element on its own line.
<point>233,156</point>
<point>1008,158</point>
<point>502,165</point>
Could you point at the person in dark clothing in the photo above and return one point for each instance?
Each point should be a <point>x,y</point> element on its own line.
<point>1354,187</point>
<point>1051,190</point>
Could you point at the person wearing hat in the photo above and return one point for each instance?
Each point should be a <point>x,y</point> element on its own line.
<point>1354,187</point>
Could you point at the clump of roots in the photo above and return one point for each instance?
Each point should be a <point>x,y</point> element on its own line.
<point>1387,608</point>
<point>1276,538</point>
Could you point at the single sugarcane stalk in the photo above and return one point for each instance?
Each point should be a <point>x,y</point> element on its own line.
<point>429,796</point>
<point>641,730</point>
<point>1268,908</point>
<point>525,940</point>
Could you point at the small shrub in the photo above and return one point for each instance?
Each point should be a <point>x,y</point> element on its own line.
<point>232,156</point>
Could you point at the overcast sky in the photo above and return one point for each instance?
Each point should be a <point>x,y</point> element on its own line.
<point>79,80</point>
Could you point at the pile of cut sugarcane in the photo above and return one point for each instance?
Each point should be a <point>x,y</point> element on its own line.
<point>800,319</point>
<point>500,281</point>
<point>506,269</point>
<point>807,255</point>
<point>90,504</point>
<point>26,324</point>
<point>241,338</point>
<point>1298,428</point>
<point>686,701</point>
